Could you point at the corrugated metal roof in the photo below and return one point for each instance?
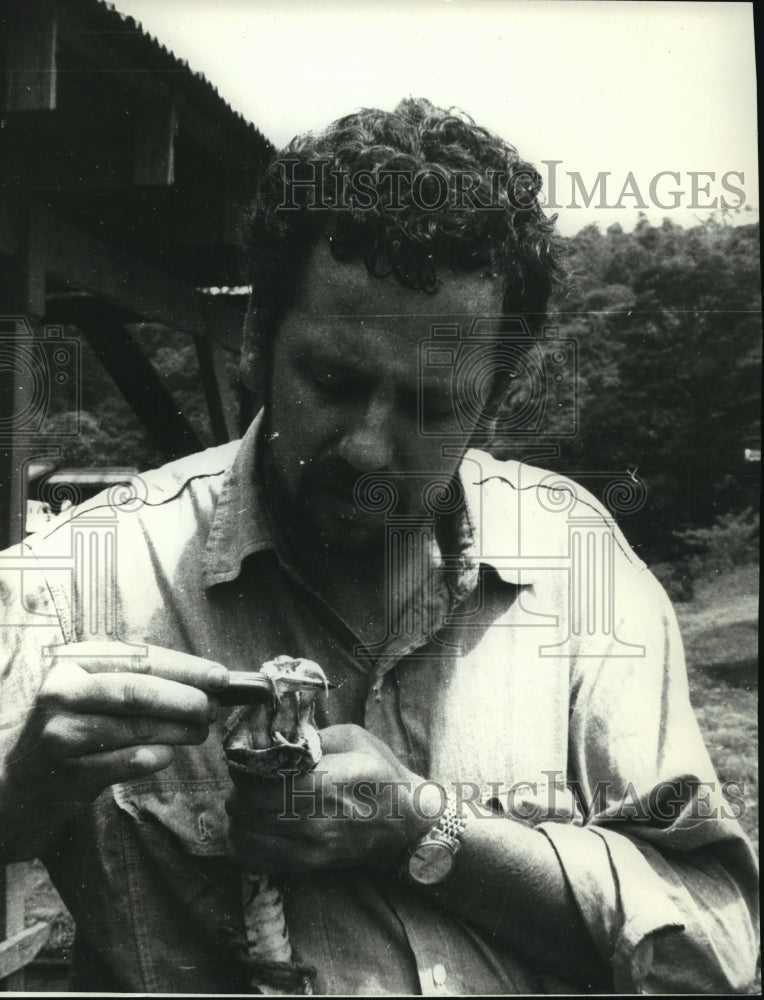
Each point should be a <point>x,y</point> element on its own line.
<point>125,31</point>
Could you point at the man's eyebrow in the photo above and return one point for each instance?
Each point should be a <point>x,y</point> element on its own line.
<point>335,361</point>
<point>327,352</point>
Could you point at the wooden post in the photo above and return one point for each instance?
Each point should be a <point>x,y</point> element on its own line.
<point>216,348</point>
<point>22,306</point>
<point>18,944</point>
<point>154,150</point>
<point>104,329</point>
<point>11,922</point>
<point>219,393</point>
<point>22,294</point>
<point>30,58</point>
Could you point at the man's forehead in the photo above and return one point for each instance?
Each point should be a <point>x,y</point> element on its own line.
<point>332,288</point>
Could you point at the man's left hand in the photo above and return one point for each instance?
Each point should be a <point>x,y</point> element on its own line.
<point>360,807</point>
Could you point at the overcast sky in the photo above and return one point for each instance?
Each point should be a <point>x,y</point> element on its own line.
<point>614,87</point>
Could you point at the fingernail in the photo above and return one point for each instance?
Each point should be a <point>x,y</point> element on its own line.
<point>145,758</point>
<point>217,678</point>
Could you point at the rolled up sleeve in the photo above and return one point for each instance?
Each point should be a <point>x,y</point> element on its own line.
<point>660,869</point>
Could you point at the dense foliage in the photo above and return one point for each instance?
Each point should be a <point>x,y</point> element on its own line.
<point>668,326</point>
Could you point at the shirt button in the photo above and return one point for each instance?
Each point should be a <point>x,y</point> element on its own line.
<point>439,975</point>
<point>204,828</point>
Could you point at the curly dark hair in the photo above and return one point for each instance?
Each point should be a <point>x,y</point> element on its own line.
<point>404,192</point>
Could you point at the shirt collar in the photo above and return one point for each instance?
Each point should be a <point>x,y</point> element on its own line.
<point>489,516</point>
<point>240,522</point>
<point>241,525</point>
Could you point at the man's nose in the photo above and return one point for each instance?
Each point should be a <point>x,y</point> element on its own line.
<point>367,444</point>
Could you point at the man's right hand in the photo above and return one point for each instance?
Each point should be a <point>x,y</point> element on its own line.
<point>103,716</point>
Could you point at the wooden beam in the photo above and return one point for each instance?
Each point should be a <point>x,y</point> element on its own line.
<point>219,390</point>
<point>223,321</point>
<point>79,260</point>
<point>88,264</point>
<point>154,217</point>
<point>135,377</point>
<point>39,160</point>
<point>223,345</point>
<point>107,55</point>
<point>154,152</point>
<point>17,951</point>
<point>18,945</point>
<point>23,231</point>
<point>30,57</point>
<point>212,389</point>
<point>9,229</point>
<point>84,262</point>
<point>22,301</point>
<point>34,261</point>
<point>44,157</point>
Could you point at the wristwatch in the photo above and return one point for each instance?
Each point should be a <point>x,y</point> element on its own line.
<point>432,857</point>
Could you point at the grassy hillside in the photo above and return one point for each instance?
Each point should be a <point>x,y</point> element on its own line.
<point>720,631</point>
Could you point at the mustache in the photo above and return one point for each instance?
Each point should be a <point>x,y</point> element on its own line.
<point>371,493</point>
<point>334,474</point>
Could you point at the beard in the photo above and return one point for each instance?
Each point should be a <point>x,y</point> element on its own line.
<point>325,507</point>
<point>321,508</point>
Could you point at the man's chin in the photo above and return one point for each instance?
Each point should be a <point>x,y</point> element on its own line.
<point>337,524</point>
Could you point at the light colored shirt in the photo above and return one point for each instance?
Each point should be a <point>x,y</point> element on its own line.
<point>552,684</point>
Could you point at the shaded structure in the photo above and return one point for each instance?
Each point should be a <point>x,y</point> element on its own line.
<point>122,179</point>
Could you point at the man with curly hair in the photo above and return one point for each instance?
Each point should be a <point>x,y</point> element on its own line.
<point>514,796</point>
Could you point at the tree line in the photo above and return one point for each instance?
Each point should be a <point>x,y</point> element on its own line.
<point>667,322</point>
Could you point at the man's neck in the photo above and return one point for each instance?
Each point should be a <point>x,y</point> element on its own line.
<point>371,594</point>
<point>367,586</point>
<point>367,589</point>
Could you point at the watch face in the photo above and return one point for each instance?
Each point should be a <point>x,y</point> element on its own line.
<point>430,862</point>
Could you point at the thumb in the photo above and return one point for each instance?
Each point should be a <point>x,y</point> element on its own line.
<point>350,738</point>
<point>344,739</point>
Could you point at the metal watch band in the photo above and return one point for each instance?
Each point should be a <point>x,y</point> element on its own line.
<point>452,822</point>
<point>422,866</point>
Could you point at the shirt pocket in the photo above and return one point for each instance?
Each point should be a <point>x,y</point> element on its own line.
<point>193,811</point>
